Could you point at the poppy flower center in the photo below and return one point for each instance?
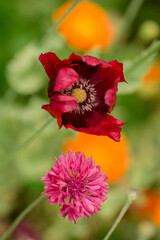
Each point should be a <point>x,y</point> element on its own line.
<point>85,94</point>
<point>79,94</point>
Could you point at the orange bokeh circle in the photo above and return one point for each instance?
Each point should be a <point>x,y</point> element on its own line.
<point>149,207</point>
<point>113,157</point>
<point>153,74</point>
<point>88,25</point>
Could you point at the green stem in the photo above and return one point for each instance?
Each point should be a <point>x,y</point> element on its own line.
<point>9,157</point>
<point>155,47</point>
<point>129,17</point>
<point>120,216</point>
<point>58,23</point>
<point>20,218</point>
<point>46,43</point>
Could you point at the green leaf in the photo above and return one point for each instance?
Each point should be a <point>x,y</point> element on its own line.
<point>135,70</point>
<point>24,72</point>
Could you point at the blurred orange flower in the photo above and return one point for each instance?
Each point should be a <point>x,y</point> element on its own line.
<point>156,213</point>
<point>151,81</point>
<point>113,157</point>
<point>153,74</point>
<point>88,25</point>
<point>149,206</point>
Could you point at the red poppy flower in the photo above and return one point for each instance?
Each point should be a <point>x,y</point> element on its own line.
<point>82,91</point>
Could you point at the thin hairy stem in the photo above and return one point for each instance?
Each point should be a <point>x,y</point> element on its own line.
<point>132,195</point>
<point>20,218</point>
<point>128,18</point>
<point>119,218</point>
<point>26,142</point>
<point>58,23</point>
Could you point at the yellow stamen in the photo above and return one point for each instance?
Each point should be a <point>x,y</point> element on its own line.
<point>79,94</point>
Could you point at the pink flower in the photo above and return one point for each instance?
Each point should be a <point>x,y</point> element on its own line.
<point>76,184</point>
<point>82,92</point>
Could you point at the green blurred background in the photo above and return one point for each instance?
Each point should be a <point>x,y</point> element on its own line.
<point>27,30</point>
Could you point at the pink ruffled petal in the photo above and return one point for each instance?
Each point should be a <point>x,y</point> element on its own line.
<point>65,78</point>
<point>72,213</point>
<point>77,194</point>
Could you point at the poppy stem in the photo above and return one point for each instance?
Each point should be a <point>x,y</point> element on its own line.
<point>152,49</point>
<point>66,13</point>
<point>132,195</point>
<point>21,217</point>
<point>129,17</point>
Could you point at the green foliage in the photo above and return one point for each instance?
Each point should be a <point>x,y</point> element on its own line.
<point>27,31</point>
<point>135,70</point>
<point>24,72</point>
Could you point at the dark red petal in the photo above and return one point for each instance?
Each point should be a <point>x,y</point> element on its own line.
<point>63,103</point>
<point>106,83</point>
<point>50,62</point>
<point>53,113</point>
<point>106,126</point>
<point>65,78</point>
<point>75,57</point>
<point>74,119</point>
<point>118,67</point>
<point>92,61</point>
<point>110,98</point>
<point>60,104</point>
<point>102,74</point>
